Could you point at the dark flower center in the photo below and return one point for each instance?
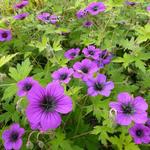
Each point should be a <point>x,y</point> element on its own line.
<point>73,54</point>
<point>14,136</point>
<point>21,6</point>
<point>104,55</point>
<point>85,70</point>
<point>22,17</point>
<point>91,52</point>
<point>48,104</point>
<point>127,109</point>
<point>4,35</point>
<point>98,86</point>
<point>63,76</point>
<point>27,87</point>
<point>139,132</point>
<point>95,8</point>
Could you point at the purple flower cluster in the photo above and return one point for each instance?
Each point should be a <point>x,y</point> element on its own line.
<point>5,35</point>
<point>47,18</point>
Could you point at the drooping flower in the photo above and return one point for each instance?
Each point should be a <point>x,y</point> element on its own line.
<point>130,109</point>
<point>13,137</point>
<point>5,35</point>
<point>81,13</point>
<point>91,51</point>
<point>99,85</point>
<point>46,105</point>
<point>21,4</point>
<point>44,17</point>
<point>103,58</point>
<point>63,75</point>
<point>25,85</point>
<point>95,8</point>
<point>140,133</point>
<point>72,53</point>
<point>21,16</point>
<point>53,19</point>
<point>148,8</point>
<point>88,24</point>
<point>84,69</point>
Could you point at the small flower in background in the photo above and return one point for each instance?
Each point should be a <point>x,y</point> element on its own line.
<point>72,53</point>
<point>21,16</point>
<point>140,133</point>
<point>95,8</point>
<point>45,17</point>
<point>130,3</point>
<point>21,5</point>
<point>63,75</point>
<point>12,137</point>
<point>104,58</point>
<point>84,69</point>
<point>25,85</point>
<point>5,35</point>
<point>130,109</point>
<point>148,123</point>
<point>91,51</point>
<point>148,8</point>
<point>53,19</point>
<point>81,13</point>
<point>46,105</point>
<point>88,24</point>
<point>99,85</point>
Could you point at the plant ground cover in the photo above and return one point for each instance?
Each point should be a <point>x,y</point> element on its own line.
<point>75,74</point>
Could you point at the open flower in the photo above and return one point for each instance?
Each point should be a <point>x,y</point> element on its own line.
<point>95,8</point>
<point>25,85</point>
<point>81,13</point>
<point>12,137</point>
<point>72,53</point>
<point>21,5</point>
<point>63,75</point>
<point>91,51</point>
<point>84,69</point>
<point>140,133</point>
<point>44,17</point>
<point>99,85</point>
<point>46,105</point>
<point>21,16</point>
<point>5,35</point>
<point>130,109</point>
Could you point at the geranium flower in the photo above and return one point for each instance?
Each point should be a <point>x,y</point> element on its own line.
<point>25,85</point>
<point>44,17</point>
<point>72,53</point>
<point>99,85</point>
<point>21,16</point>
<point>130,109</point>
<point>46,105</point>
<point>81,13</point>
<point>140,134</point>
<point>63,75</point>
<point>95,8</point>
<point>12,137</point>
<point>21,5</point>
<point>5,35</point>
<point>84,69</point>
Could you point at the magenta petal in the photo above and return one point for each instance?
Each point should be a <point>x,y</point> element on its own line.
<point>17,145</point>
<point>137,141</point>
<point>6,134</point>
<point>8,145</point>
<point>64,105</point>
<point>50,121</point>
<point>115,105</point>
<point>124,97</point>
<point>123,119</point>
<point>101,78</point>
<point>140,117</point>
<point>92,92</point>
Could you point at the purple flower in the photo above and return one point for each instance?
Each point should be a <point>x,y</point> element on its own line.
<point>12,137</point>
<point>129,108</point>
<point>21,16</point>
<point>5,35</point>
<point>99,85</point>
<point>26,85</point>
<point>130,3</point>
<point>148,123</point>
<point>88,24</point>
<point>21,4</point>
<point>84,69</point>
<point>81,13</point>
<point>104,58</point>
<point>95,8</point>
<point>91,51</point>
<point>148,8</point>
<point>63,75</point>
<point>72,53</point>
<point>45,17</point>
<point>45,106</point>
<point>140,134</point>
<point>53,19</point>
